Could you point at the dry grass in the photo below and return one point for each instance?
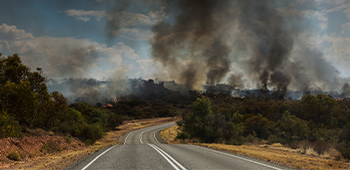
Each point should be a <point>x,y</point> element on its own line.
<point>173,133</point>
<point>66,158</point>
<point>282,156</point>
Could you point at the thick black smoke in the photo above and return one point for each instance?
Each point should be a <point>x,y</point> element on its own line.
<point>196,48</point>
<point>194,36</point>
<point>271,45</point>
<point>236,80</point>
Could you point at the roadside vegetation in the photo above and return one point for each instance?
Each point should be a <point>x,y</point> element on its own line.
<point>28,110</point>
<point>320,122</point>
<point>316,126</point>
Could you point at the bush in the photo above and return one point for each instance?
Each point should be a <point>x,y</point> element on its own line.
<point>9,127</point>
<point>182,135</point>
<point>14,156</point>
<point>304,145</point>
<point>180,122</point>
<point>50,147</point>
<point>344,149</point>
<point>92,132</point>
<point>237,141</point>
<point>114,120</point>
<point>88,142</point>
<point>320,147</point>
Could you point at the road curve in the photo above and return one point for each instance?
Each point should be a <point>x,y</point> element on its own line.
<point>144,149</point>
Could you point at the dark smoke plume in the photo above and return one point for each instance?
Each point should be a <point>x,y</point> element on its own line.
<point>203,38</point>
<point>345,90</point>
<point>194,36</point>
<point>271,43</point>
<point>236,80</point>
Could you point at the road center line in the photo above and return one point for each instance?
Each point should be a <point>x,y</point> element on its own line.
<point>140,137</point>
<point>98,157</point>
<point>177,163</point>
<point>248,160</point>
<point>154,134</point>
<point>127,137</point>
<point>166,158</point>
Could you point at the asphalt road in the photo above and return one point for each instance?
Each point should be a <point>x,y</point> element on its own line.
<point>145,149</point>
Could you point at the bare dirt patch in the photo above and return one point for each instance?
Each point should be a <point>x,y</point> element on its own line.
<point>59,152</point>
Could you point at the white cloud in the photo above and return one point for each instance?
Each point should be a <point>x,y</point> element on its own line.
<point>11,33</point>
<point>134,26</point>
<point>85,15</point>
<point>63,57</point>
<point>345,7</point>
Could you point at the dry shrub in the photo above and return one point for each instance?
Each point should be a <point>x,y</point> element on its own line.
<point>304,145</point>
<point>277,145</point>
<point>38,132</point>
<point>293,145</point>
<point>334,154</point>
<point>14,156</point>
<point>50,147</point>
<point>320,147</point>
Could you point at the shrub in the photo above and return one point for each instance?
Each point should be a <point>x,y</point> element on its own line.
<point>68,139</point>
<point>50,147</point>
<point>14,156</point>
<point>180,122</point>
<point>114,120</point>
<point>251,138</point>
<point>88,142</point>
<point>304,145</point>
<point>320,147</point>
<point>182,135</point>
<point>344,149</point>
<point>9,127</point>
<point>92,132</point>
<point>237,141</point>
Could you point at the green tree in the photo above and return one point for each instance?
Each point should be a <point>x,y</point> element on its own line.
<point>23,94</point>
<point>319,109</point>
<point>19,101</point>
<point>292,128</point>
<point>203,123</point>
<point>260,125</point>
<point>73,123</point>
<point>9,127</point>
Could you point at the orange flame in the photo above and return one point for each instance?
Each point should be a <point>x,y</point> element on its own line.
<point>108,105</point>
<point>115,101</point>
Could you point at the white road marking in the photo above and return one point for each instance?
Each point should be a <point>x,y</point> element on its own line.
<point>140,137</point>
<point>127,137</point>
<point>154,134</point>
<point>177,163</point>
<point>248,160</point>
<point>98,157</point>
<point>166,158</point>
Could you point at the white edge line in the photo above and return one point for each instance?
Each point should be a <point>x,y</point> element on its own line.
<point>126,138</point>
<point>98,157</point>
<point>177,163</point>
<point>154,134</point>
<point>223,153</point>
<point>172,164</point>
<point>140,137</point>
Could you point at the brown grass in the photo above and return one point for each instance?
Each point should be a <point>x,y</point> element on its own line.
<point>282,157</point>
<point>66,158</point>
<point>173,133</point>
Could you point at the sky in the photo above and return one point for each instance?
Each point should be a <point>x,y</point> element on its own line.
<point>104,38</point>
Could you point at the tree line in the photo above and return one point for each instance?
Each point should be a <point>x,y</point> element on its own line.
<point>318,120</point>
<point>25,103</point>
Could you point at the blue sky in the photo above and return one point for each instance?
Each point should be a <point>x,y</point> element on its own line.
<point>68,38</point>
